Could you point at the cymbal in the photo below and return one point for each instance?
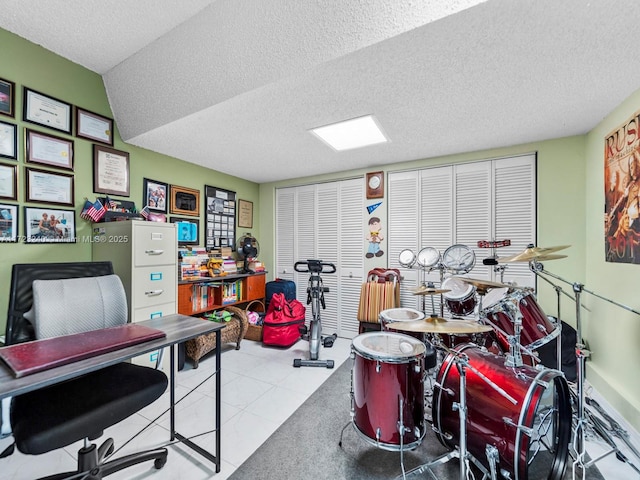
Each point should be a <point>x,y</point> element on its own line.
<point>532,253</point>
<point>484,284</point>
<point>429,291</point>
<point>440,325</point>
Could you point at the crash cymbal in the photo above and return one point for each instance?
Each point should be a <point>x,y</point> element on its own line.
<point>532,253</point>
<point>545,258</point>
<point>440,325</point>
<point>483,284</point>
<point>429,291</point>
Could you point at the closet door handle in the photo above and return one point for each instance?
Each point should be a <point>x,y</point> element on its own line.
<point>154,293</point>
<point>154,252</point>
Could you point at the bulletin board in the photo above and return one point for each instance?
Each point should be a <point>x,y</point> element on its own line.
<point>221,218</point>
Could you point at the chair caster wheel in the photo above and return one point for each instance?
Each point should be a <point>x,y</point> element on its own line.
<point>329,363</point>
<point>158,463</point>
<point>297,363</point>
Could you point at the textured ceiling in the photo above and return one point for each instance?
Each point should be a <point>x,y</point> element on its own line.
<point>235,85</point>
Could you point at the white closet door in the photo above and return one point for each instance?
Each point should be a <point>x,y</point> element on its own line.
<point>351,249</point>
<point>305,236</point>
<point>327,251</point>
<point>285,233</point>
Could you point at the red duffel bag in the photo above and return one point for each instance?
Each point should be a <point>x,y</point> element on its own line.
<point>282,323</point>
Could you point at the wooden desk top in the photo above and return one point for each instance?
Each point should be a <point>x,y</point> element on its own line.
<point>178,328</point>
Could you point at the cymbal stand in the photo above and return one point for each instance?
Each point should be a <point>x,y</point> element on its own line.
<point>440,267</point>
<point>499,269</point>
<point>582,353</point>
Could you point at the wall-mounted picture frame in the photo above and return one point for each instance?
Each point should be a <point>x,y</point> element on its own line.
<point>110,171</point>
<point>7,98</point>
<point>8,140</point>
<point>154,195</point>
<point>8,181</point>
<point>245,214</point>
<point>43,186</point>
<point>375,185</point>
<point>49,225</point>
<point>93,126</point>
<point>50,150</point>
<point>184,201</point>
<point>220,228</point>
<point>47,111</point>
<point>187,230</point>
<point>8,223</point>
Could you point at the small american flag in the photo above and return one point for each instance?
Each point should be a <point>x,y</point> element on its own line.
<point>85,209</point>
<point>111,204</point>
<point>96,211</point>
<point>145,212</point>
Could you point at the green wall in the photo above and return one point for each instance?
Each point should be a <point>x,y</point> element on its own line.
<point>27,64</point>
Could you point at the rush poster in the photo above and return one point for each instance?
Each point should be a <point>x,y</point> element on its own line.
<point>622,192</point>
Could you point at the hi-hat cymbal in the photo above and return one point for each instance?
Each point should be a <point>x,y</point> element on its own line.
<point>532,253</point>
<point>440,325</point>
<point>429,291</point>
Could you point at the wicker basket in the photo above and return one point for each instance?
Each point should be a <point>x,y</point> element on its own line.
<point>254,332</point>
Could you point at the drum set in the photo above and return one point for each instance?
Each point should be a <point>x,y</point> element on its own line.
<point>492,403</point>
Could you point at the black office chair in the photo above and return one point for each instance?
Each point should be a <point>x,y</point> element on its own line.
<point>56,416</point>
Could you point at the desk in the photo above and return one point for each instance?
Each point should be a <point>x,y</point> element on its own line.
<point>178,328</point>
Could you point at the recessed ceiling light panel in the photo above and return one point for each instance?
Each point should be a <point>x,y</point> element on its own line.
<point>350,134</point>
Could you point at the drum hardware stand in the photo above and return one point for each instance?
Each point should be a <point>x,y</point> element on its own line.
<point>582,353</point>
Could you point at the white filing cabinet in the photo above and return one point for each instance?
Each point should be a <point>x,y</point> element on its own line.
<point>145,257</point>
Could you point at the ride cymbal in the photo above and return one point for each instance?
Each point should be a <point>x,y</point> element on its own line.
<point>429,291</point>
<point>484,284</point>
<point>440,325</point>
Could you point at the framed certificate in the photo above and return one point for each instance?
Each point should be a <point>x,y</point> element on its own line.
<point>245,213</point>
<point>8,181</point>
<point>49,150</point>
<point>48,187</point>
<point>94,127</point>
<point>8,140</point>
<point>47,111</point>
<point>110,171</point>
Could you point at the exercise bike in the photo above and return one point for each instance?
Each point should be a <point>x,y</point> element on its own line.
<point>315,297</point>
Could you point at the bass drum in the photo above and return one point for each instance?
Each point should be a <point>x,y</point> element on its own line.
<point>387,389</point>
<point>525,414</point>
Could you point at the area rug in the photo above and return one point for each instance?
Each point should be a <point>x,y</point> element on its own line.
<point>307,445</point>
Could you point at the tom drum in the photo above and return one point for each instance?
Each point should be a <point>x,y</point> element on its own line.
<point>460,299</point>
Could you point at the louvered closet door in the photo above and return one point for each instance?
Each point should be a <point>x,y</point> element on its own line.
<point>404,229</point>
<point>515,214</point>
<point>327,251</point>
<point>285,233</point>
<point>306,231</point>
<point>350,245</point>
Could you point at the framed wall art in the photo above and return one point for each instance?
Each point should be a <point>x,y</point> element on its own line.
<point>245,214</point>
<point>94,127</point>
<point>46,111</point>
<point>110,171</point>
<point>48,150</point>
<point>8,223</point>
<point>187,230</point>
<point>8,140</point>
<point>221,218</point>
<point>184,201</point>
<point>8,181</point>
<point>7,98</point>
<point>154,195</point>
<point>43,186</point>
<point>49,225</point>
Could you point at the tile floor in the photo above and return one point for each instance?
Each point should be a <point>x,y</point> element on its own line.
<point>260,389</point>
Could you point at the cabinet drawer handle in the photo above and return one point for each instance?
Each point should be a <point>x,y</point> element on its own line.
<point>154,252</point>
<point>154,293</point>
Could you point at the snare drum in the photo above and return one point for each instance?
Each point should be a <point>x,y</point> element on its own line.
<point>536,330</point>
<point>393,315</point>
<point>460,300</point>
<point>387,389</point>
<point>522,411</point>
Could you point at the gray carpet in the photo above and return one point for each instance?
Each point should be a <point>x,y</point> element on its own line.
<point>306,446</point>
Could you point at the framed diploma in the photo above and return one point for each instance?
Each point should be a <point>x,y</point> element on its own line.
<point>48,187</point>
<point>8,181</point>
<point>8,140</point>
<point>7,98</point>
<point>94,127</point>
<point>8,223</point>
<point>49,150</point>
<point>46,111</point>
<point>110,171</point>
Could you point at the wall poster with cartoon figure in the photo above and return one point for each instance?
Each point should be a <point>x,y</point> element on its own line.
<point>375,237</point>
<point>622,192</point>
